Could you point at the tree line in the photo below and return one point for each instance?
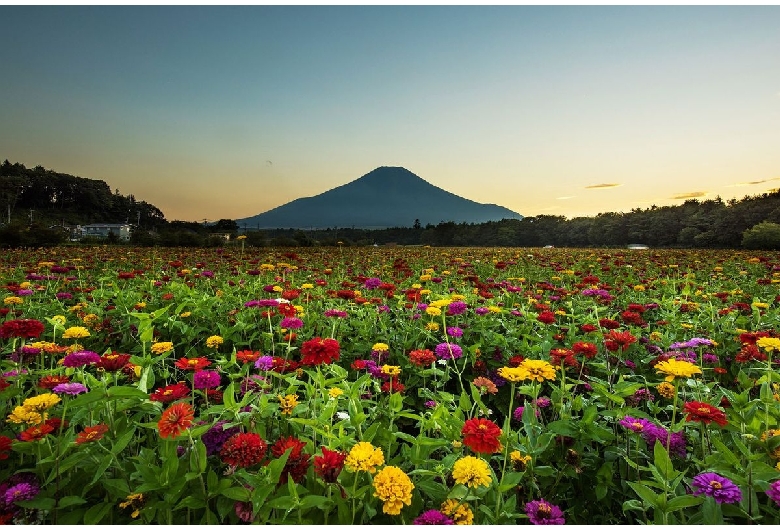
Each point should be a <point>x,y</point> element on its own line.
<point>37,201</point>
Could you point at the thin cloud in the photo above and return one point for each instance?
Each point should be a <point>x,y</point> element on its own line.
<point>601,186</point>
<point>564,198</point>
<point>752,182</point>
<point>691,195</point>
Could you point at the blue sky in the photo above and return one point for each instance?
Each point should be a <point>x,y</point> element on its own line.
<point>214,112</point>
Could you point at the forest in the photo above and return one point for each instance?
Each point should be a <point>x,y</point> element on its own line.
<point>40,204</point>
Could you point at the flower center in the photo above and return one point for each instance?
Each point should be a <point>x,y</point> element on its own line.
<point>715,484</point>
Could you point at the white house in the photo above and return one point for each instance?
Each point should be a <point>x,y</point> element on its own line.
<point>122,231</point>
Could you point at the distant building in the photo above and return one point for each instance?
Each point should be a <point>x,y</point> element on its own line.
<point>122,231</point>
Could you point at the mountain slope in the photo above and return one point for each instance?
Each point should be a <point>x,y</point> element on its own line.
<point>385,197</point>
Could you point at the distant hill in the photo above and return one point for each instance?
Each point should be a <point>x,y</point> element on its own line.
<point>385,197</point>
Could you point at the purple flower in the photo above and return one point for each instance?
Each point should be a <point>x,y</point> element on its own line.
<point>266,362</point>
<point>205,379</point>
<point>774,491</point>
<point>542,512</point>
<point>24,292</point>
<point>80,358</point>
<point>543,402</point>
<point>454,331</point>
<point>24,491</point>
<point>72,389</point>
<point>431,404</point>
<point>635,424</point>
<point>335,313</point>
<point>709,358</point>
<point>719,488</point>
<point>448,351</point>
<point>518,413</point>
<point>291,323</point>
<point>693,343</point>
<point>372,283</point>
<point>481,311</point>
<point>432,517</point>
<point>458,307</point>
<point>422,307</point>
<point>216,436</point>
<point>63,296</point>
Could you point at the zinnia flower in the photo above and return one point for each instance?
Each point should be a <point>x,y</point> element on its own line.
<point>72,389</point>
<point>288,403</point>
<point>170,393</point>
<point>472,472</point>
<point>216,437</point>
<point>422,358</point>
<point>432,517</point>
<point>536,370</point>
<point>513,375</point>
<point>24,328</point>
<point>175,419</point>
<point>265,362</point>
<point>35,433</point>
<point>298,461</point>
<point>364,457</point>
<point>394,488</point>
<point>674,368</point>
<point>481,435</point>
<point>214,341</point>
<point>20,492</point>
<point>329,465</point>
<point>205,379</point>
<point>195,364</point>
<point>158,348</point>
<point>80,358</point>
<point>318,351</point>
<point>447,351</point>
<point>774,492</point>
<point>705,413</point>
<point>76,332</point>
<point>113,362</point>
<point>91,434</point>
<point>542,512</point>
<point>243,450</point>
<point>719,488</point>
<point>459,511</point>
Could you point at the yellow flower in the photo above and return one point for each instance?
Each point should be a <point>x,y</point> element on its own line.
<point>58,319</point>
<point>91,319</point>
<point>391,370</point>
<point>433,311</point>
<point>186,314</point>
<point>769,344</point>
<point>494,309</point>
<point>288,403</point>
<point>674,368</point>
<point>459,512</point>
<point>393,487</point>
<point>135,501</point>
<point>214,341</point>
<point>277,289</point>
<point>380,346</point>
<point>425,277</point>
<point>537,370</point>
<point>161,347</point>
<point>472,472</point>
<point>519,461</point>
<point>513,375</point>
<point>76,332</point>
<point>432,326</point>
<point>639,288</point>
<point>364,457</point>
<point>241,237</point>
<point>441,303</point>
<point>26,415</point>
<point>307,286</point>
<point>456,296</point>
<point>41,402</point>
<point>12,300</point>
<point>334,392</point>
<point>666,390</point>
<point>267,267</point>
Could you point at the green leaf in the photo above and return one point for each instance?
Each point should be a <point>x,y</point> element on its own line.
<point>646,494</point>
<point>312,501</point>
<point>96,513</point>
<point>43,503</point>
<point>70,500</point>
<point>662,461</point>
<point>115,392</point>
<point>684,501</point>
<point>237,494</point>
<point>190,502</point>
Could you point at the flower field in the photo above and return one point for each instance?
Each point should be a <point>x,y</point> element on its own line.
<point>389,386</point>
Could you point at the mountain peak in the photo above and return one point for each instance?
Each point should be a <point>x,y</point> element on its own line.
<point>388,196</point>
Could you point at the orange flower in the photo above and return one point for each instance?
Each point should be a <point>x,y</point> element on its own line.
<point>91,434</point>
<point>175,419</point>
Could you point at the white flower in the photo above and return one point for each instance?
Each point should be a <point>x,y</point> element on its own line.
<point>342,415</point>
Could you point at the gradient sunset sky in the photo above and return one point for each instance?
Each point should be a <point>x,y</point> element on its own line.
<point>226,112</point>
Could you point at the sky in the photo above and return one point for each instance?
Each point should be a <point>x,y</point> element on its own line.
<point>226,112</point>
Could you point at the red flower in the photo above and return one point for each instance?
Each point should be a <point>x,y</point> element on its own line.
<point>286,310</point>
<point>516,360</point>
<point>329,465</point>
<point>4,384</point>
<point>91,434</point>
<point>393,386</point>
<point>319,351</point>
<point>608,323</point>
<point>283,366</point>
<point>560,356</point>
<point>247,356</point>
<point>195,364</point>
<point>587,349</point>
<point>243,450</point>
<point>175,419</point>
<point>113,362</point>
<point>422,358</point>
<point>298,461</point>
<point>588,328</point>
<point>35,433</point>
<point>622,339</point>
<point>170,393</point>
<point>750,352</point>
<point>546,317</point>
<point>24,328</point>
<point>5,447</point>
<point>705,413</point>
<point>481,435</point>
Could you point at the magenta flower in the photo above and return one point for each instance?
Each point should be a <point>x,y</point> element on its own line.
<point>205,379</point>
<point>72,389</point>
<point>266,362</point>
<point>719,488</point>
<point>774,492</point>
<point>432,517</point>
<point>457,307</point>
<point>448,351</point>
<point>542,512</point>
<point>291,323</point>
<point>80,358</point>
